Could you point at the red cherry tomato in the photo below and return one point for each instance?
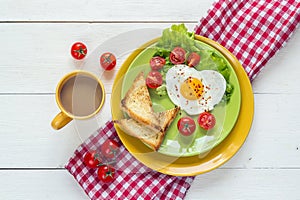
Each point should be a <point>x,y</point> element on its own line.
<point>108,61</point>
<point>110,148</point>
<point>193,59</point>
<point>177,55</point>
<point>106,173</point>
<point>78,50</point>
<point>92,159</point>
<point>154,79</point>
<point>206,120</point>
<point>186,126</point>
<point>157,63</point>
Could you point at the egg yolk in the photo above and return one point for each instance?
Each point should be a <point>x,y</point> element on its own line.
<point>191,88</point>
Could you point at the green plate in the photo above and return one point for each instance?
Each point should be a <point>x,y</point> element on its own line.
<point>174,144</point>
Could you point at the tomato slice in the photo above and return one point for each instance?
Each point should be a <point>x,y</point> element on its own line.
<point>108,61</point>
<point>154,79</point>
<point>193,59</point>
<point>206,120</point>
<point>78,50</point>
<point>157,63</point>
<point>177,55</point>
<point>186,126</point>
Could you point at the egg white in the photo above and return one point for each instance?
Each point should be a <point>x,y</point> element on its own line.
<point>214,88</point>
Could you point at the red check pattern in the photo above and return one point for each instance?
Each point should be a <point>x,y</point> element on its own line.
<point>253,30</point>
<point>133,179</point>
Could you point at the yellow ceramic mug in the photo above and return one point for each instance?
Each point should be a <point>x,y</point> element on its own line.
<point>79,95</point>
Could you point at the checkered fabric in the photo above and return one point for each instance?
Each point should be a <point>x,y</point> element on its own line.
<point>253,30</point>
<point>133,179</point>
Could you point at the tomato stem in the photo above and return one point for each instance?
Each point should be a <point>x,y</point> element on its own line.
<point>81,51</point>
<point>109,173</point>
<point>107,163</point>
<point>107,59</point>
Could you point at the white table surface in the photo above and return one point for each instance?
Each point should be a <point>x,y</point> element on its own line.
<point>35,38</point>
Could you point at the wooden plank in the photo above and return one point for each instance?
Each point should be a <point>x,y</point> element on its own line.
<point>27,139</point>
<point>95,10</point>
<point>37,55</point>
<point>227,184</point>
<point>39,184</point>
<point>246,184</point>
<point>41,55</point>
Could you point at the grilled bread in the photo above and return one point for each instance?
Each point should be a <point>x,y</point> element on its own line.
<point>153,138</point>
<point>138,105</point>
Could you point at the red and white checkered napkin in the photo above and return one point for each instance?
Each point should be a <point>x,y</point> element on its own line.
<point>253,30</point>
<point>133,179</point>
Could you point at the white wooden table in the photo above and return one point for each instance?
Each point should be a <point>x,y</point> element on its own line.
<point>35,39</point>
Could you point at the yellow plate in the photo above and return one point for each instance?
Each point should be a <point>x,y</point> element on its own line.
<point>193,165</point>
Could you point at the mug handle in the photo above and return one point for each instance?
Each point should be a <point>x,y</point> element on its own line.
<point>60,120</point>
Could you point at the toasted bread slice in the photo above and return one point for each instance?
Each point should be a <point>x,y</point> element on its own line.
<point>166,117</point>
<point>138,105</point>
<point>153,138</point>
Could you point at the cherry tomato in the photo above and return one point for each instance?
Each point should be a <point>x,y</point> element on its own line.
<point>186,126</point>
<point>78,50</point>
<point>108,61</point>
<point>92,159</point>
<point>110,148</point>
<point>154,79</point>
<point>177,55</point>
<point>193,59</point>
<point>157,63</point>
<point>106,173</point>
<point>206,120</point>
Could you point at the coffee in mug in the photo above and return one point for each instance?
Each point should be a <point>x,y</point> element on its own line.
<point>79,95</point>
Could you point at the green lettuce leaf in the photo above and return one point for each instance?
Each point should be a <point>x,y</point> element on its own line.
<point>175,36</point>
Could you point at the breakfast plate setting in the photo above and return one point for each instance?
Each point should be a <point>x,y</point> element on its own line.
<point>182,115</point>
<point>181,103</point>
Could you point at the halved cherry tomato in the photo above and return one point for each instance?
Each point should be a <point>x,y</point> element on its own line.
<point>157,63</point>
<point>108,61</point>
<point>78,50</point>
<point>186,126</point>
<point>193,59</point>
<point>110,148</point>
<point>154,79</point>
<point>106,173</point>
<point>206,120</point>
<point>177,55</point>
<point>92,159</point>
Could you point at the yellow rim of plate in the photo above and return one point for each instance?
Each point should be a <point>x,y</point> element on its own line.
<point>193,165</point>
